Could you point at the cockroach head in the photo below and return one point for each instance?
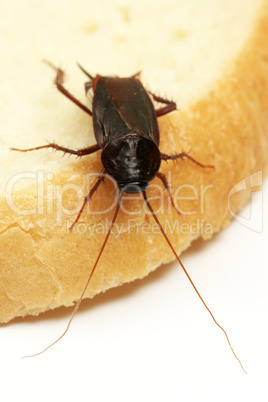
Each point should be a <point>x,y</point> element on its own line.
<point>132,160</point>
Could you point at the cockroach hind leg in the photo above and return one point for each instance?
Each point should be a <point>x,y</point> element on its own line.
<point>59,84</point>
<point>136,75</point>
<point>50,64</point>
<point>170,105</point>
<point>60,74</point>
<point>85,71</point>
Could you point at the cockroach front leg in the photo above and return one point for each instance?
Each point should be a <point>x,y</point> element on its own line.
<point>183,155</point>
<point>89,196</point>
<point>163,178</point>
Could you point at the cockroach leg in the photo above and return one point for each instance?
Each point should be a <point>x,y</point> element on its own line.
<point>85,71</point>
<point>78,152</point>
<point>89,196</point>
<point>88,84</point>
<point>136,75</point>
<point>170,105</point>
<point>163,178</point>
<point>59,84</point>
<point>182,155</point>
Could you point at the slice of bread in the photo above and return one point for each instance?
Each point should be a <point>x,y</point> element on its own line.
<point>208,56</point>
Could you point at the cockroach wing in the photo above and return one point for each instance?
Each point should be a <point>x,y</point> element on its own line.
<point>122,106</point>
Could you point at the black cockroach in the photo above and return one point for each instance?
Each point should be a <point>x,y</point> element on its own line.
<point>126,130</point>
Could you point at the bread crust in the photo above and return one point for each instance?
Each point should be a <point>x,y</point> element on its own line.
<point>45,266</point>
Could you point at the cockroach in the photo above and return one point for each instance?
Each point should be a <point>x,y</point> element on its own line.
<point>126,130</point>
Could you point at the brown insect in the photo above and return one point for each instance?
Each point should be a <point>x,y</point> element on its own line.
<point>126,130</point>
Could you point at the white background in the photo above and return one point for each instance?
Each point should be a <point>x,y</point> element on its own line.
<point>152,340</point>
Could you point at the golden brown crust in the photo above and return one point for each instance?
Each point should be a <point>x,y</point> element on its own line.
<point>44,266</point>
